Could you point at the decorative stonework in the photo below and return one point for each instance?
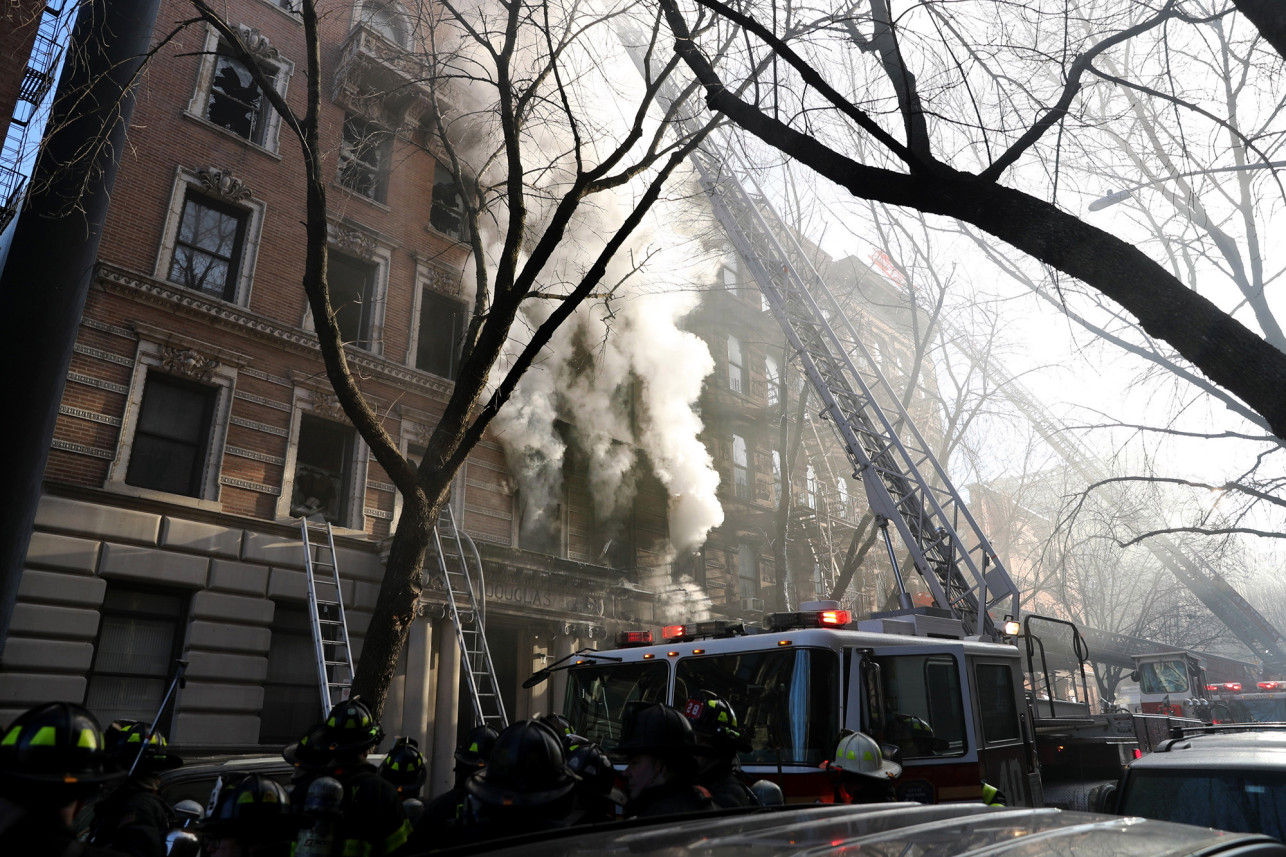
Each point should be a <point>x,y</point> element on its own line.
<point>223,184</point>
<point>188,363</point>
<point>328,406</point>
<point>444,281</point>
<point>258,45</point>
<point>423,431</point>
<point>352,241</point>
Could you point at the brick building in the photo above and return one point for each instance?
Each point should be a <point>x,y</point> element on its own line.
<point>197,424</point>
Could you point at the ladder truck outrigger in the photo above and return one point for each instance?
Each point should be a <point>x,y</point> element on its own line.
<point>944,684</point>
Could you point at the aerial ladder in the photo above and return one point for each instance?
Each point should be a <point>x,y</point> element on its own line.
<point>906,487</point>
<point>461,570</point>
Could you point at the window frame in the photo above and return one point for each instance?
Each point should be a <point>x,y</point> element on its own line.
<point>361,18</point>
<point>357,243</point>
<point>742,487</point>
<point>200,445</point>
<point>223,188</point>
<point>274,65</point>
<point>442,171</point>
<point>321,405</point>
<point>172,355</point>
<point>736,365</point>
<point>178,622</point>
<point>425,294</point>
<point>191,199</point>
<point>380,140</point>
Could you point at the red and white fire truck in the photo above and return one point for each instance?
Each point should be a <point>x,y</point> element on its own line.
<point>955,708</point>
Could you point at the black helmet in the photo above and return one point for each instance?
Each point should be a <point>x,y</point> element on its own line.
<point>526,768</point>
<point>560,724</point>
<point>474,751</point>
<point>712,717</point>
<point>655,728</point>
<point>404,767</point>
<point>253,807</point>
<point>56,746</point>
<point>597,776</point>
<point>124,738</point>
<point>348,728</point>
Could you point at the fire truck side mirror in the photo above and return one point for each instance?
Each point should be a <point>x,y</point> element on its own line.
<point>1134,675</point>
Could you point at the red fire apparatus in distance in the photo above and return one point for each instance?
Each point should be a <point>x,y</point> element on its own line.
<point>955,708</point>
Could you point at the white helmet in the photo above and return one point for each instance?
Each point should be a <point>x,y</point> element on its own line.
<point>857,753</point>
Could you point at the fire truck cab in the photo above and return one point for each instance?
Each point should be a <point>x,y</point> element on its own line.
<point>953,707</point>
<point>1171,683</point>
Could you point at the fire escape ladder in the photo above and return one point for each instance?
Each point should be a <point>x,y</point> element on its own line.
<point>457,558</point>
<point>326,609</point>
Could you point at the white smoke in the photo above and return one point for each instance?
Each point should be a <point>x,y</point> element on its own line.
<point>610,348</point>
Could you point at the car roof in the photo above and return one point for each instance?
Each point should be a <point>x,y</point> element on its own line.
<point>946,830</point>
<point>1264,749</point>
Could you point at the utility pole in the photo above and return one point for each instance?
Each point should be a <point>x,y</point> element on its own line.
<point>46,279</point>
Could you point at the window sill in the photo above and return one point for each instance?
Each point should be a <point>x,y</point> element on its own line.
<point>294,16</point>
<point>336,529</point>
<point>349,193</point>
<point>455,239</point>
<point>164,496</point>
<point>224,132</point>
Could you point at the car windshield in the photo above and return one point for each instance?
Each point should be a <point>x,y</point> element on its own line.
<point>1246,801</point>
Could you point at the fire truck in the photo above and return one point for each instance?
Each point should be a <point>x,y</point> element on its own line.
<point>956,710</point>
<point>1240,702</point>
<point>1171,683</point>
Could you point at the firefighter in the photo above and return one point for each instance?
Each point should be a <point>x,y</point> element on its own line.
<point>526,785</point>
<point>714,724</point>
<point>470,757</point>
<point>372,820</point>
<point>597,797</point>
<point>252,817</point>
<point>661,762</point>
<point>404,768</point>
<point>52,760</point>
<point>864,773</point>
<point>134,818</point>
<point>913,735</point>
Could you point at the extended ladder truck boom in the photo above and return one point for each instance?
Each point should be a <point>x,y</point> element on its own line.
<point>945,689</point>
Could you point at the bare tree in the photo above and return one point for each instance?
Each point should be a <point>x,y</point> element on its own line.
<point>512,115</point>
<point>977,56</point>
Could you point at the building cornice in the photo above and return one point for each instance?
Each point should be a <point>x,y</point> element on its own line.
<point>148,290</point>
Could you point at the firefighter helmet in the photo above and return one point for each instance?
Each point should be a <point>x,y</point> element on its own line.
<point>404,767</point>
<point>913,734</point>
<point>348,728</point>
<point>123,739</point>
<point>858,753</point>
<point>254,806</point>
<point>597,776</point>
<point>476,749</point>
<point>526,768</point>
<point>55,746</point>
<point>713,718</point>
<point>655,728</point>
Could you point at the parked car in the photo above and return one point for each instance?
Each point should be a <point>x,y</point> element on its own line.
<point>1232,780</point>
<point>891,830</point>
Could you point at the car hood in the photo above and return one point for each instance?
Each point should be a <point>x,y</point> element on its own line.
<point>897,830</point>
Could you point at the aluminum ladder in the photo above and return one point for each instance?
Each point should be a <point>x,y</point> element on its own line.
<point>466,605</point>
<point>905,484</point>
<point>326,609</point>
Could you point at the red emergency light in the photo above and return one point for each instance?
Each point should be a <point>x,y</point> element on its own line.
<point>1234,686</point>
<point>709,628</point>
<point>1272,685</point>
<point>625,639</point>
<point>808,619</point>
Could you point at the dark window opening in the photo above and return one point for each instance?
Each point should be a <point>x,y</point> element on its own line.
<point>290,692</point>
<point>138,642</point>
<point>172,440</point>
<point>996,703</point>
<point>352,290</point>
<point>236,102</point>
<point>207,249</point>
<point>323,469</point>
<point>437,348</point>
<point>446,213</point>
<point>363,158</point>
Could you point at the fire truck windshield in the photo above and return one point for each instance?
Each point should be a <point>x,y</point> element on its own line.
<point>1163,677</point>
<point>786,700</point>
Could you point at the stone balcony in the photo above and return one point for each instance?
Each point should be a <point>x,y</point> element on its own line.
<point>384,81</point>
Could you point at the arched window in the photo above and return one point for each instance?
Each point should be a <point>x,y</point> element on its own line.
<point>387,20</point>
